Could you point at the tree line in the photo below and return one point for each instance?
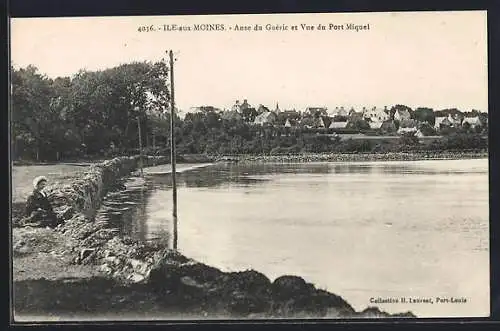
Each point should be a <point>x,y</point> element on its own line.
<point>98,114</point>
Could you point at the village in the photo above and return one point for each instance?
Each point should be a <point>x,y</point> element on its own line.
<point>394,121</point>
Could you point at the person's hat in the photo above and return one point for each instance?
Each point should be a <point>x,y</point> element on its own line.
<point>38,180</point>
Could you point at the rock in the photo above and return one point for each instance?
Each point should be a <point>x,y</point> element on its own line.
<point>136,278</point>
<point>105,269</point>
<point>137,265</point>
<point>85,252</point>
<point>188,281</point>
<point>107,253</point>
<point>113,260</point>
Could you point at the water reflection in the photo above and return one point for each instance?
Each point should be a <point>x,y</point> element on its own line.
<point>127,211</point>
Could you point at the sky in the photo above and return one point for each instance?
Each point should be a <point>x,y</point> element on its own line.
<point>432,59</point>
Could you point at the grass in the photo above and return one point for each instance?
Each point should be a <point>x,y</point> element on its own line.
<point>22,177</point>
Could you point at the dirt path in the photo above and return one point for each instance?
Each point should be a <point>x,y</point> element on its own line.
<point>44,253</point>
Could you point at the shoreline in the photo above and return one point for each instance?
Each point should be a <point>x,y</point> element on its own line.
<point>152,281</point>
<point>85,265</point>
<point>304,157</point>
<point>363,157</point>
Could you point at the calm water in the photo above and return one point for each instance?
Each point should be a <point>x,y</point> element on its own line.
<point>361,230</point>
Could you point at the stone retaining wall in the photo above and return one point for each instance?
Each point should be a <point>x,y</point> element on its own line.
<point>84,194</point>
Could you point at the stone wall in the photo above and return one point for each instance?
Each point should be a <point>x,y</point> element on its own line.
<point>84,194</point>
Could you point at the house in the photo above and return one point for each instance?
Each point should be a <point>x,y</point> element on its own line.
<point>375,125</point>
<point>355,116</point>
<point>442,121</point>
<point>268,117</point>
<point>194,110</point>
<point>277,110</point>
<point>402,115</point>
<point>203,109</point>
<point>316,111</point>
<point>337,125</point>
<point>352,111</point>
<point>419,134</point>
<point>290,123</point>
<point>472,122</point>
<point>324,121</point>
<point>455,120</point>
<point>407,130</point>
<point>292,114</point>
<point>388,126</point>
<point>376,115</point>
<point>262,109</point>
<point>332,112</point>
<point>338,111</point>
<point>238,107</point>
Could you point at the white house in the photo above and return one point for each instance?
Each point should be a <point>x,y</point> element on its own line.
<point>472,121</point>
<point>289,123</point>
<point>402,115</point>
<point>455,120</point>
<point>240,106</point>
<point>407,130</point>
<point>376,115</point>
<point>375,125</point>
<point>322,111</point>
<point>277,110</point>
<point>265,118</point>
<point>441,121</point>
<point>236,106</point>
<point>338,125</point>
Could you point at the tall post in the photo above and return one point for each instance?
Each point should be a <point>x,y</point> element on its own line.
<point>172,149</point>
<point>140,144</point>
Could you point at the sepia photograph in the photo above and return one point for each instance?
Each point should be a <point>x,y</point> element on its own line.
<point>249,167</point>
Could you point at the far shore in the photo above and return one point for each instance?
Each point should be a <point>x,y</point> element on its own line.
<point>365,157</point>
<point>299,157</point>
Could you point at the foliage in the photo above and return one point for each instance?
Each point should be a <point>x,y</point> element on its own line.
<point>358,124</point>
<point>423,114</point>
<point>427,129</point>
<point>88,112</point>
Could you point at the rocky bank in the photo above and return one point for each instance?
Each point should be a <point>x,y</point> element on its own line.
<point>84,266</point>
<point>360,157</point>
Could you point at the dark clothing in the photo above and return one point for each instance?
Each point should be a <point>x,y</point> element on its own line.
<point>38,208</point>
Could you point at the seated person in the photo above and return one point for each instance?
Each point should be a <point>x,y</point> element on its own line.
<point>38,207</point>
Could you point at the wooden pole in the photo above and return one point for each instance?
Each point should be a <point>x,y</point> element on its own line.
<point>140,144</point>
<point>172,149</point>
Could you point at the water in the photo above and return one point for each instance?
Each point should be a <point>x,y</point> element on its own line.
<point>360,230</point>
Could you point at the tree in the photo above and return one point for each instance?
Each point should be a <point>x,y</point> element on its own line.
<point>31,115</point>
<point>423,114</point>
<point>88,111</point>
<point>427,129</point>
<point>358,124</point>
